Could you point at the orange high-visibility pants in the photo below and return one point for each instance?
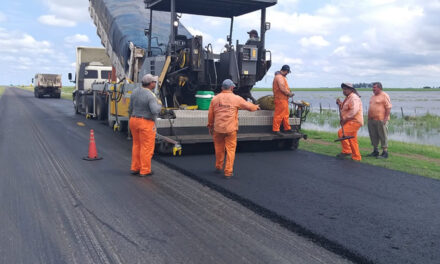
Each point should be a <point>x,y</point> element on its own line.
<point>225,142</point>
<point>351,146</point>
<point>143,132</point>
<point>281,115</point>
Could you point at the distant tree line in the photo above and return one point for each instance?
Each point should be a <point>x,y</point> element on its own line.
<point>370,85</point>
<point>362,85</point>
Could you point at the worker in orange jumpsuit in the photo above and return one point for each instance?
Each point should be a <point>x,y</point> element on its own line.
<point>351,120</point>
<point>281,93</point>
<point>223,125</point>
<point>143,109</point>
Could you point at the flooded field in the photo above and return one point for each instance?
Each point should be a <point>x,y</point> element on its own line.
<point>408,123</point>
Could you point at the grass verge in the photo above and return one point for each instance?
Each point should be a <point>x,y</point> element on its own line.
<point>416,159</point>
<point>2,90</point>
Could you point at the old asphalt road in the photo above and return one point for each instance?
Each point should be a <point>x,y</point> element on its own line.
<point>57,208</point>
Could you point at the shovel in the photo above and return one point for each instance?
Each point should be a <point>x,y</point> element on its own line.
<point>344,137</point>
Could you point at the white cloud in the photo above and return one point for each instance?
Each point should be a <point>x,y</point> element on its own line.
<point>52,20</point>
<point>2,17</point>
<point>314,41</point>
<point>22,43</point>
<point>329,10</point>
<point>306,24</point>
<point>341,51</point>
<point>77,38</point>
<point>73,10</point>
<point>345,39</point>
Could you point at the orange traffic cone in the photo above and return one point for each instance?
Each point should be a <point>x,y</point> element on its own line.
<point>93,154</point>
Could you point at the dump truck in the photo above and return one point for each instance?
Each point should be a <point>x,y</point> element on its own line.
<point>141,38</point>
<point>47,84</point>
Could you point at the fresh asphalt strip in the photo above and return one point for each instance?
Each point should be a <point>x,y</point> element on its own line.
<point>365,213</point>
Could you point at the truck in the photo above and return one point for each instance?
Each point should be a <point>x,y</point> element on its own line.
<point>47,84</point>
<point>92,66</point>
<point>149,38</point>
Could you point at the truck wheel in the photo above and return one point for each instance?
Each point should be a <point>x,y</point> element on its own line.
<point>75,104</point>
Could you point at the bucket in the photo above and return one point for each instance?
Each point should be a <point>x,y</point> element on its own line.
<point>203,99</point>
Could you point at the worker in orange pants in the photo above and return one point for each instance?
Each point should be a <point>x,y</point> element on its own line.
<point>350,146</point>
<point>281,94</point>
<point>351,120</point>
<point>143,132</point>
<point>222,142</point>
<point>143,110</point>
<point>223,125</point>
<point>281,116</point>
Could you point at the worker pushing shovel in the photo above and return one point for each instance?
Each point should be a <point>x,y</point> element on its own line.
<point>351,118</point>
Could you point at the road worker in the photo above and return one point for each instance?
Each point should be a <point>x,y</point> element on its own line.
<point>223,125</point>
<point>351,120</point>
<point>253,37</point>
<point>281,93</point>
<point>378,116</point>
<point>143,110</point>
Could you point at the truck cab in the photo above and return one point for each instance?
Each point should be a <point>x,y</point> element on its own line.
<point>95,72</point>
<point>92,66</point>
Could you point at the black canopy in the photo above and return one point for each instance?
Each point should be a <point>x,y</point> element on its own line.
<point>218,8</point>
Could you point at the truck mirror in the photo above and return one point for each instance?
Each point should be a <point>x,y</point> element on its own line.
<point>267,26</point>
<point>32,80</point>
<point>70,76</point>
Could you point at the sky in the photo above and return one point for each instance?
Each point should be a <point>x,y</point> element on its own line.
<point>396,42</point>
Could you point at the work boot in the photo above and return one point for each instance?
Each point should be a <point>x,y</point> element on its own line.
<point>229,176</point>
<point>384,155</point>
<point>277,133</point>
<point>218,171</point>
<point>343,155</point>
<point>375,153</point>
<point>146,175</point>
<point>133,172</point>
<point>290,131</point>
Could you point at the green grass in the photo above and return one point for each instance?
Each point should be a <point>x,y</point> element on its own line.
<point>359,89</point>
<point>416,159</point>
<point>2,90</point>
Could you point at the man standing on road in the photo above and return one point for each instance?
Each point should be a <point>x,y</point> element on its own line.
<point>351,120</point>
<point>143,110</point>
<point>281,94</point>
<point>223,125</point>
<point>378,116</point>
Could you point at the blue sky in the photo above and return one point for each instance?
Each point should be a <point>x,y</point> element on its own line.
<point>325,42</point>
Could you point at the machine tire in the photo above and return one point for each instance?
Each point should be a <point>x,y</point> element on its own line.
<point>295,144</point>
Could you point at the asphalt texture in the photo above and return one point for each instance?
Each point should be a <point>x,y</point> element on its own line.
<point>58,208</point>
<point>368,214</point>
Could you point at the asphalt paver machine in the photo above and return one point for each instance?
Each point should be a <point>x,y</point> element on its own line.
<point>149,38</point>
